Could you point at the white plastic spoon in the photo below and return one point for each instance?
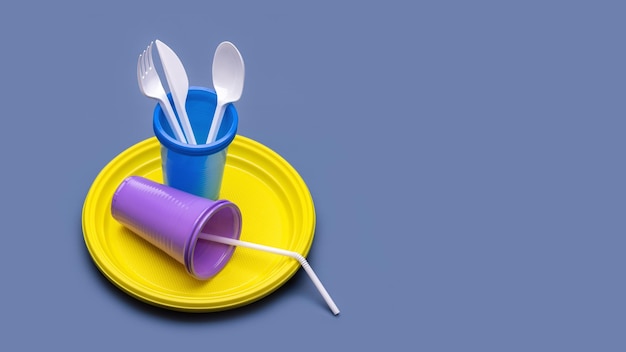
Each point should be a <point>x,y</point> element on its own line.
<point>228,76</point>
<point>297,256</point>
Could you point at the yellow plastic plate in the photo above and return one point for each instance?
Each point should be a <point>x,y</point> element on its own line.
<point>277,210</point>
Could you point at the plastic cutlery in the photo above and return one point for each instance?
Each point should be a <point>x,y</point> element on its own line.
<point>228,76</point>
<point>179,85</point>
<point>150,86</point>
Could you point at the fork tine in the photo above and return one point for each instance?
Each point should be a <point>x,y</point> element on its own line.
<point>140,65</point>
<point>139,70</point>
<point>140,76</point>
<point>147,53</point>
<point>144,70</point>
<point>150,63</point>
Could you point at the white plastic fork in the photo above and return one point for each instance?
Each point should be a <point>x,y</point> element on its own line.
<point>150,86</point>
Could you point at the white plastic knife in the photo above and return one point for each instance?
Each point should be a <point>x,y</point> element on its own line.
<point>179,85</point>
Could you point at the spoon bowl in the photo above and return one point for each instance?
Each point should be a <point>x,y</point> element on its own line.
<point>228,77</point>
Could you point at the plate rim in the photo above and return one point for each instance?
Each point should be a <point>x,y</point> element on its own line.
<point>175,302</point>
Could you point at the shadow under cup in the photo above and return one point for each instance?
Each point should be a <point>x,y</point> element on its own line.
<point>196,169</point>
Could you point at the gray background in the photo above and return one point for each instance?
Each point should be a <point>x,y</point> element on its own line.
<point>466,159</point>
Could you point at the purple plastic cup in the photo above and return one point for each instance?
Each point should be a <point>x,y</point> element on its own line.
<point>171,220</point>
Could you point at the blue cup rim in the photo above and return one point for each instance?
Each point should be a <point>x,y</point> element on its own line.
<point>201,149</point>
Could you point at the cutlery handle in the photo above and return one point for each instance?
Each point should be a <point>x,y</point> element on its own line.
<point>216,122</point>
<point>184,119</point>
<point>171,118</point>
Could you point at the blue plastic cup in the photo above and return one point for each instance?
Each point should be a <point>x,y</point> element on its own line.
<point>196,169</point>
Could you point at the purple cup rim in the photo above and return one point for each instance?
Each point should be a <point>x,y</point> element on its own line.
<point>191,244</point>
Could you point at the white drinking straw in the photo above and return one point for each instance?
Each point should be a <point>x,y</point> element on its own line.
<point>297,256</point>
